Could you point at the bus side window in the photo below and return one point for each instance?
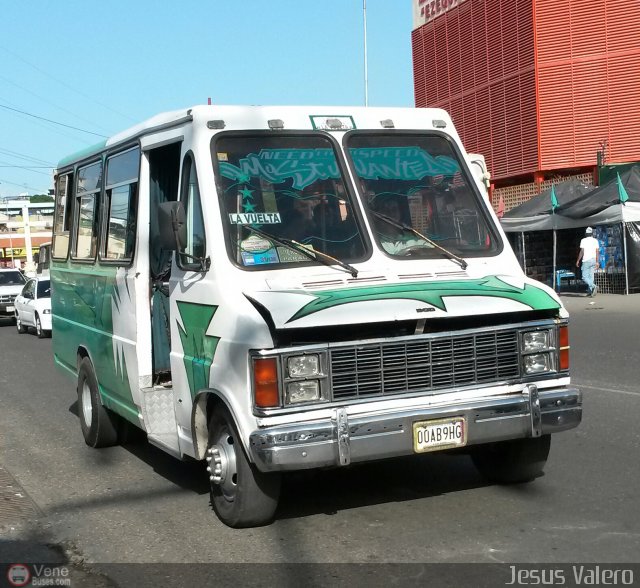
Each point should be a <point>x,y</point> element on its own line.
<point>121,205</point>
<point>62,216</point>
<point>87,195</point>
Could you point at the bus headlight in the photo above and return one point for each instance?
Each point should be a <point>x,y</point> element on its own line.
<point>304,391</point>
<point>535,341</point>
<point>303,366</point>
<point>537,363</point>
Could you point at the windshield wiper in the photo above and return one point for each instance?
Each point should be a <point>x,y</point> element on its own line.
<point>461,262</point>
<point>312,254</point>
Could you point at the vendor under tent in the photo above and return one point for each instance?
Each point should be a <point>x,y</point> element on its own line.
<point>613,209</point>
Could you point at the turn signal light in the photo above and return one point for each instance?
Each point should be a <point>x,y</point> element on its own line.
<point>563,339</point>
<point>265,379</point>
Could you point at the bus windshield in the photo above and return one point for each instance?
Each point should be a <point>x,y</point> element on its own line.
<point>290,187</point>
<point>413,185</point>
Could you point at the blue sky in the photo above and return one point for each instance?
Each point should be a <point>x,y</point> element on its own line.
<point>103,66</point>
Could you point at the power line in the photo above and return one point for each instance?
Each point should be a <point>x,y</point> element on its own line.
<point>25,157</point>
<point>52,121</point>
<point>25,186</point>
<point>43,99</point>
<point>65,85</point>
<point>34,169</point>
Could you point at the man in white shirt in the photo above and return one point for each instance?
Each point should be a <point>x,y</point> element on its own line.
<point>589,255</point>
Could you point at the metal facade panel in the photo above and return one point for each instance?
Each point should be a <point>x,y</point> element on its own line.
<point>467,70</point>
<point>482,52</point>
<point>419,74</point>
<point>479,55</point>
<point>553,29</point>
<point>442,62</point>
<point>589,92</point>
<point>622,25</point>
<point>590,109</point>
<point>556,116</point>
<point>575,84</point>
<point>455,65</point>
<point>588,28</point>
<point>472,129</point>
<point>624,108</point>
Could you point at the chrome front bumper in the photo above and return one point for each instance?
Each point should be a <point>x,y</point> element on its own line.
<point>342,440</point>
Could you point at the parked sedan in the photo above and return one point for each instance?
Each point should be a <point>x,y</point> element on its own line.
<point>11,283</point>
<point>33,307</point>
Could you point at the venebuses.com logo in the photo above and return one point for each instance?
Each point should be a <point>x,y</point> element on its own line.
<point>38,575</point>
<point>18,575</point>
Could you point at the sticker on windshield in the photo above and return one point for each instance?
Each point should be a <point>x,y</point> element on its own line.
<point>289,255</point>
<point>270,256</point>
<point>254,218</point>
<point>255,244</point>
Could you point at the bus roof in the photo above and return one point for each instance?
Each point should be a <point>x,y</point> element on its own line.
<point>292,117</point>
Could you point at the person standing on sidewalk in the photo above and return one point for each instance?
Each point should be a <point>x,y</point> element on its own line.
<point>589,255</point>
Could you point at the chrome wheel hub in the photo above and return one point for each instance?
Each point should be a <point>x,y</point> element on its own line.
<point>221,465</point>
<point>86,404</point>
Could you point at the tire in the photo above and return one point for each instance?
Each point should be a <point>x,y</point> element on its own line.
<point>99,427</point>
<point>21,328</point>
<point>41,334</point>
<point>512,462</point>
<point>241,495</point>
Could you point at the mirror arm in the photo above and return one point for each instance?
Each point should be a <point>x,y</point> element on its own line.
<point>205,262</point>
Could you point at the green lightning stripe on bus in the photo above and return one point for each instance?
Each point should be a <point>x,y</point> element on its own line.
<point>198,347</point>
<point>432,293</point>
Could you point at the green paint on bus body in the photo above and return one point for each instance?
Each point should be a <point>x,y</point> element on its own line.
<point>83,303</point>
<point>432,293</point>
<point>198,347</point>
<point>83,154</point>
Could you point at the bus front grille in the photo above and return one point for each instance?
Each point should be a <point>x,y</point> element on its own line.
<point>424,365</point>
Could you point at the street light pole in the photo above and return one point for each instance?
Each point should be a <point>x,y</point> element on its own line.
<point>366,73</point>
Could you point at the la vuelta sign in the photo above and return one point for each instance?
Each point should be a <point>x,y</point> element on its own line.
<point>425,11</point>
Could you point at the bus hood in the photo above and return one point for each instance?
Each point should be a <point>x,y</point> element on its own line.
<point>297,308</point>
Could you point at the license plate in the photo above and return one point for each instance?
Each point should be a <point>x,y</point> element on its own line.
<point>439,434</point>
<point>10,308</point>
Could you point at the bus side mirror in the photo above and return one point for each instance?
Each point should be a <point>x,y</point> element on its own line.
<point>173,226</point>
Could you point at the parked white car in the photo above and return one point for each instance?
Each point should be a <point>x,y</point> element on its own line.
<point>33,307</point>
<point>11,283</point>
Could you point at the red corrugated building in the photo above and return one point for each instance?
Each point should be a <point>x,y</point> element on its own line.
<point>537,86</point>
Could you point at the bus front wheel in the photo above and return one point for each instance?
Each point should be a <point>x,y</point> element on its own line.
<point>241,495</point>
<point>99,427</point>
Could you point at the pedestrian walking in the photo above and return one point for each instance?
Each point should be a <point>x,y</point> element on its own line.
<point>589,249</point>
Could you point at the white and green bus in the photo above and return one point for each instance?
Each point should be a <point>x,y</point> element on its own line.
<point>271,289</point>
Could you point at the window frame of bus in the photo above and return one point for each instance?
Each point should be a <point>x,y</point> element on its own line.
<point>133,196</point>
<point>67,214</point>
<point>188,197</point>
<point>343,167</point>
<point>466,174</point>
<point>98,194</point>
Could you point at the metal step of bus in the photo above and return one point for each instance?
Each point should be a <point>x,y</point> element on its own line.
<point>160,417</point>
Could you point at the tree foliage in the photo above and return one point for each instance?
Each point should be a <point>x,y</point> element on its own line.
<point>40,198</point>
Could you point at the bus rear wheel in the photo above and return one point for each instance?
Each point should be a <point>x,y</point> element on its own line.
<point>512,462</point>
<point>99,427</point>
<point>241,495</point>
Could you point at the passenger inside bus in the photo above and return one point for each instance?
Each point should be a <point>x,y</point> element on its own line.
<point>330,230</point>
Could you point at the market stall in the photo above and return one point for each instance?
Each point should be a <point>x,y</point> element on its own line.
<point>546,232</point>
